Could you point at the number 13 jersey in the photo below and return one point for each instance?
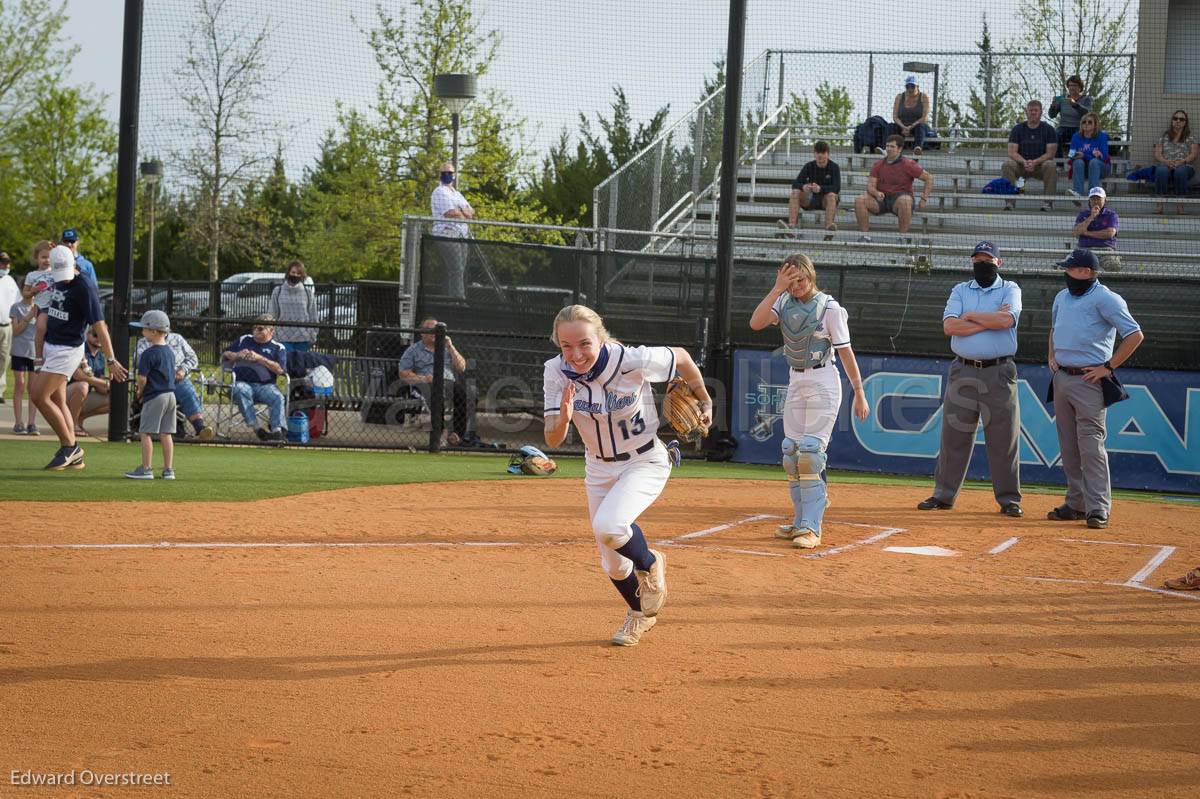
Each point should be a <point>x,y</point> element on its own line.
<point>614,408</point>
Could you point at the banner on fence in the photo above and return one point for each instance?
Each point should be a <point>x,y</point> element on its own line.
<point>1153,437</point>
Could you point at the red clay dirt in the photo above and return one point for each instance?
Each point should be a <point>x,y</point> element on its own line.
<point>483,671</point>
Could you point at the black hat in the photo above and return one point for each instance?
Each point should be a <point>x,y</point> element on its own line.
<point>4,259</point>
<point>1081,257</point>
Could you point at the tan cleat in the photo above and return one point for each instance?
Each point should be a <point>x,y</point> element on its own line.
<point>806,540</point>
<point>1188,582</point>
<point>786,532</point>
<point>652,585</point>
<point>630,631</point>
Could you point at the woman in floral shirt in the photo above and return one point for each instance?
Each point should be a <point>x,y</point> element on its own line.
<point>1174,155</point>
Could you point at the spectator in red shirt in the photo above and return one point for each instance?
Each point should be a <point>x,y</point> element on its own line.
<point>890,188</point>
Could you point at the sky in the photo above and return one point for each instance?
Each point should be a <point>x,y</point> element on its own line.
<point>557,58</point>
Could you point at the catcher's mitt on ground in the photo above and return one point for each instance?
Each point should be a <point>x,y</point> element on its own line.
<point>682,410</point>
<point>531,460</point>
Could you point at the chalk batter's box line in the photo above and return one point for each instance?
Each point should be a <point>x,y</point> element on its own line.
<point>1137,580</point>
<point>884,532</point>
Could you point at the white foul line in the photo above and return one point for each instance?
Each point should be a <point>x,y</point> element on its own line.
<point>1156,561</point>
<point>1003,545</point>
<point>720,527</point>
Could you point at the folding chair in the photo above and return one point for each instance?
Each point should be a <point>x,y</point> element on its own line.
<point>227,417</point>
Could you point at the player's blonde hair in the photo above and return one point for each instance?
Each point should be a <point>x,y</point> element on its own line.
<point>580,313</point>
<point>806,267</point>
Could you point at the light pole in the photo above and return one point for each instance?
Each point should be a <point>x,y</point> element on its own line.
<point>456,90</point>
<point>924,67</point>
<point>152,171</point>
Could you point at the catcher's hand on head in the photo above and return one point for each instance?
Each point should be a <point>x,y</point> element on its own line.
<point>690,417</point>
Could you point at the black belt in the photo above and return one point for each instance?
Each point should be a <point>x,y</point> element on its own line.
<point>1078,370</point>
<point>5,324</point>
<point>624,456</point>
<point>983,364</point>
<point>808,368</point>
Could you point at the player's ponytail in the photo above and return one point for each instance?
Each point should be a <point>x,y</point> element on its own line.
<point>581,313</point>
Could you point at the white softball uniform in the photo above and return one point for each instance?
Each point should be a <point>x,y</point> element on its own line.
<point>814,396</point>
<point>626,465</point>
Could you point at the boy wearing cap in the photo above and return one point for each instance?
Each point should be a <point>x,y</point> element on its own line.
<point>156,390</point>
<point>72,306</point>
<point>1097,228</point>
<point>1084,323</point>
<point>981,320</point>
<point>70,237</point>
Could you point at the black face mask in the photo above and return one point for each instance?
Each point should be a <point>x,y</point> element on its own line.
<point>985,273</point>
<point>1079,287</point>
<point>294,279</point>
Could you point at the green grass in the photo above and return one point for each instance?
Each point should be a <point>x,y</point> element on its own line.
<point>221,473</point>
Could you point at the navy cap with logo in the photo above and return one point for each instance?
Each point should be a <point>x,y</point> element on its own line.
<point>986,248</point>
<point>1081,257</point>
<point>70,235</point>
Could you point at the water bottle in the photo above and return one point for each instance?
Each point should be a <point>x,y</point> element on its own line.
<point>1021,185</point>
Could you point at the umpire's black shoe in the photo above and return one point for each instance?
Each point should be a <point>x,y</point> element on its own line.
<point>933,503</point>
<point>1097,520</point>
<point>1065,513</point>
<point>1012,509</point>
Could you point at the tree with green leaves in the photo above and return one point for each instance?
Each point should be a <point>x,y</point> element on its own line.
<point>831,108</point>
<point>1073,32</point>
<point>223,85</point>
<point>34,55</point>
<point>993,86</point>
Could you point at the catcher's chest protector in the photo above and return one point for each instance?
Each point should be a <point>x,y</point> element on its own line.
<point>800,322</point>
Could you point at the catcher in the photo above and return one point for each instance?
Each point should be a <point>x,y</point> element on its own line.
<point>604,387</point>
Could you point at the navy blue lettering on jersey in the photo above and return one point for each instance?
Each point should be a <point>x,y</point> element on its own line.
<point>157,365</point>
<point>74,305</point>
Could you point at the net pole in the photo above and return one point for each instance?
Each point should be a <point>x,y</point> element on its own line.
<point>721,360</point>
<point>127,144</point>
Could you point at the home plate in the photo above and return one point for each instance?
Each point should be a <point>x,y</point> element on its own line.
<point>937,552</point>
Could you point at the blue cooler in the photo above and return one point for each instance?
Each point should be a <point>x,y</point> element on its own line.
<point>297,428</point>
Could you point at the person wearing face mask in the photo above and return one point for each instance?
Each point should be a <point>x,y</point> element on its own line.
<point>294,301</point>
<point>981,320</point>
<point>448,205</point>
<point>10,295</point>
<point>1084,323</point>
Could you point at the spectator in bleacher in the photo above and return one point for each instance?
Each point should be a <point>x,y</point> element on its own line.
<point>88,389</point>
<point>448,204</point>
<point>1031,148</point>
<point>1085,320</point>
<point>910,112</point>
<point>70,238</point>
<point>1174,155</point>
<point>1089,155</point>
<point>294,301</point>
<point>890,188</point>
<point>257,360</point>
<point>186,398</point>
<point>981,320</point>
<point>416,369</point>
<point>1097,228</point>
<point>816,188</point>
<point>1072,106</point>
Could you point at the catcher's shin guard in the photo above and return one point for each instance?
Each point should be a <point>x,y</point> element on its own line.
<point>804,460</point>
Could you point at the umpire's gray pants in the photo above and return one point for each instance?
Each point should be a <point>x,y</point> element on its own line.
<point>1079,415</point>
<point>989,396</point>
<point>454,267</point>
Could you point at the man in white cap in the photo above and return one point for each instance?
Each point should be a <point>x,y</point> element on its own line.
<point>73,305</point>
<point>1096,226</point>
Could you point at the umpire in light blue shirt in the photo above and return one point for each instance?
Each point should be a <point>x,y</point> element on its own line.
<point>981,320</point>
<point>1084,323</point>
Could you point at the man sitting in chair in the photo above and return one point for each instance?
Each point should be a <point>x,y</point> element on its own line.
<point>416,369</point>
<point>257,360</point>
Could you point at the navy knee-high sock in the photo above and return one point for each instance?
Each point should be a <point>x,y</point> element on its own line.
<point>629,590</point>
<point>637,550</point>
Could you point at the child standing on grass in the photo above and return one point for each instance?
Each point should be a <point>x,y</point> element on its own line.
<point>156,390</point>
<point>23,318</point>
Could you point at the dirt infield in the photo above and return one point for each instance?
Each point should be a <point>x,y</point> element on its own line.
<point>466,652</point>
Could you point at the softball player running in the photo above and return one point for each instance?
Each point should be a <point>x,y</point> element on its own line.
<point>604,387</point>
<point>813,326</point>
